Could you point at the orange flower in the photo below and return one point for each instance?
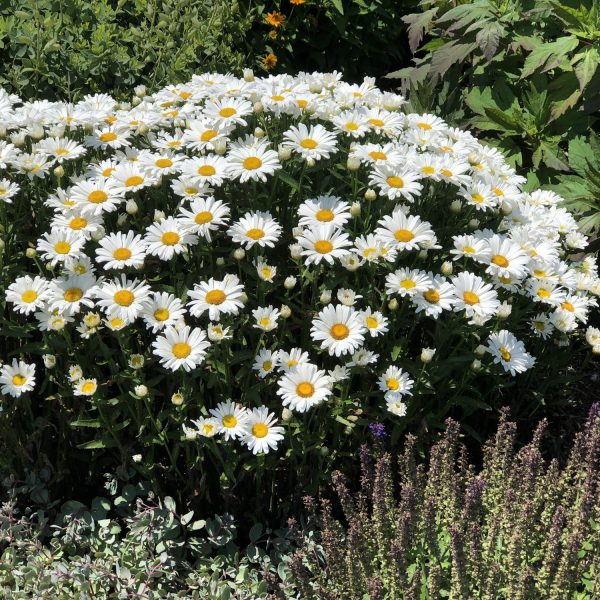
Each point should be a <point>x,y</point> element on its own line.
<point>272,34</point>
<point>275,19</point>
<point>269,61</point>
<point>297,2</point>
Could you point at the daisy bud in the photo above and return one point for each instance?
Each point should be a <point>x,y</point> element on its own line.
<point>18,139</point>
<point>310,162</point>
<point>456,207</point>
<point>59,171</point>
<point>248,75</point>
<point>289,283</point>
<point>140,391</point>
<point>315,87</point>
<point>139,91</point>
<point>49,361</point>
<point>286,414</point>
<point>98,234</point>
<point>220,261</point>
<point>239,254</point>
<point>122,219</point>
<point>284,153</point>
<point>353,163</point>
<point>244,298</point>
<point>355,209</point>
<point>37,132</point>
<point>427,355</point>
<point>422,254</point>
<point>131,207</point>
<point>136,458</point>
<point>295,251</point>
<point>258,107</point>
<point>177,399</point>
<point>393,304</point>
<point>30,253</point>
<point>159,215</point>
<point>446,268</point>
<point>125,106</point>
<point>480,350</point>
<point>325,297</point>
<point>136,361</point>
<point>136,101</point>
<point>476,365</point>
<point>259,133</point>
<point>220,146</point>
<point>504,310</point>
<point>474,223</point>
<point>506,208</point>
<point>143,129</point>
<point>285,311</point>
<point>190,434</point>
<point>370,195</point>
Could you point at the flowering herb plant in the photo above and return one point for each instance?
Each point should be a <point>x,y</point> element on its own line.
<point>238,266</point>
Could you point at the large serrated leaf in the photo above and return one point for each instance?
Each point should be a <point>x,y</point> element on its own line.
<point>418,23</point>
<point>586,66</point>
<point>443,58</point>
<point>549,55</point>
<point>488,38</point>
<point>578,153</point>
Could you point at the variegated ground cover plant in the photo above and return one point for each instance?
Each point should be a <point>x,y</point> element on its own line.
<point>238,266</point>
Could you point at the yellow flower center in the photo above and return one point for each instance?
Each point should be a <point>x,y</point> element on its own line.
<point>73,294</point>
<point>264,322</point>
<point>302,103</point>
<point>324,215</point>
<point>339,331</point>
<point>77,223</point>
<point>323,246</point>
<point>393,384</point>
<point>376,155</point>
<point>122,253</point>
<point>124,297</point>
<point>427,170</point>
<point>407,284</point>
<point>404,235</point>
<point>252,162</point>
<point>203,217</point>
<point>424,126</point>
<point>97,197</point>
<point>190,190</point>
<point>498,192</point>
<point>446,172</point>
<point>505,354</point>
<point>181,350</point>
<point>227,112</point>
<point>376,122</point>
<point>500,261</point>
<point>161,314</point>
<point>308,144</point>
<point>266,272</point>
<point>62,247</point>
<point>229,421</point>
<point>208,135</point>
<point>470,298</point>
<point>395,181</point>
<point>543,293</point>
<point>133,181</point>
<point>477,198</point>
<point>267,365</point>
<point>278,98</point>
<point>432,296</point>
<point>108,136</point>
<point>504,280</point>
<point>19,380</point>
<point>567,306</point>
<point>61,152</point>
<point>215,297</point>
<point>469,250</point>
<point>259,430</point>
<point>164,163</point>
<point>352,126</point>
<point>29,296</point>
<point>255,234</point>
<point>88,387</point>
<point>170,238</point>
<point>371,322</point>
<point>117,322</point>
<point>206,170</point>
<point>305,389</point>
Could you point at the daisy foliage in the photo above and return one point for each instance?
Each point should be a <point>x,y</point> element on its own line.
<point>212,264</point>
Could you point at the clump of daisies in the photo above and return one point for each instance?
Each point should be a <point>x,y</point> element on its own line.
<point>255,248</point>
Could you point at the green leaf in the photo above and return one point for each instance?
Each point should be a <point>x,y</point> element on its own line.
<point>443,58</point>
<point>578,153</point>
<point>586,66</point>
<point>86,423</point>
<point>502,119</point>
<point>418,23</point>
<point>338,6</point>
<point>96,444</point>
<point>548,55</point>
<point>488,38</point>
<point>550,158</point>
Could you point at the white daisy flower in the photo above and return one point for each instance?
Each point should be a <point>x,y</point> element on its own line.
<point>266,318</point>
<point>168,238</point>
<point>120,250</point>
<point>324,242</point>
<point>204,216</point>
<point>60,244</point>
<point>85,387</point>
<point>339,329</point>
<point>407,282</point>
<point>17,378</point>
<point>206,170</point>
<point>94,196</point>
<point>206,426</point>
<point>216,297</point>
<point>304,387</point>
<point>506,258</point>
<point>185,347</point>
<point>406,232</point>
<point>28,293</point>
<point>123,298</point>
<point>324,210</point>
<point>439,296</point>
<point>261,431</point>
<point>228,111</point>
<point>163,310</point>
<point>8,190</point>
<point>509,352</point>
<point>396,182</point>
<point>375,323</point>
<point>253,163</point>
<point>255,228</point>
<point>231,419</point>
<point>314,142</point>
<point>286,361</point>
<point>474,295</point>
<point>68,295</point>
<point>265,362</point>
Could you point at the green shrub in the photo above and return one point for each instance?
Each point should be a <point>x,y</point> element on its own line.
<point>517,528</point>
<point>524,73</point>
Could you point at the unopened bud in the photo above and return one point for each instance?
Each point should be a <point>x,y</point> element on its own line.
<point>355,209</point>
<point>284,152</point>
<point>177,399</point>
<point>289,283</point>
<point>476,365</point>
<point>122,219</point>
<point>49,361</point>
<point>258,107</point>
<point>285,311</point>
<point>248,75</point>
<point>473,223</point>
<point>131,207</point>
<point>136,101</point>
<point>259,133</point>
<point>159,215</point>
<point>30,253</point>
<point>98,233</point>
<point>393,304</point>
<point>446,268</point>
<point>220,146</point>
<point>220,261</point>
<point>286,414</point>
<point>480,351</point>
<point>59,172</point>
<point>370,195</point>
<point>456,207</point>
<point>325,297</point>
<point>353,163</point>
<point>239,254</point>
<point>140,391</point>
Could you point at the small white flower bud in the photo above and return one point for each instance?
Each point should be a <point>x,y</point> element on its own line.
<point>220,261</point>
<point>18,139</point>
<point>393,304</point>
<point>456,207</point>
<point>131,207</point>
<point>37,132</point>
<point>315,87</point>
<point>370,195</point>
<point>177,399</point>
<point>480,351</point>
<point>286,414</point>
<point>244,298</point>
<point>355,209</point>
<point>504,310</point>
<point>284,152</point>
<point>139,91</point>
<point>220,146</point>
<point>473,223</point>
<point>325,297</point>
<point>248,75</point>
<point>239,254</point>
<point>258,108</point>
<point>285,311</point>
<point>122,219</point>
<point>506,208</point>
<point>143,129</point>
<point>446,268</point>
<point>136,458</point>
<point>59,171</point>
<point>30,253</point>
<point>289,283</point>
<point>295,251</point>
<point>98,234</point>
<point>476,365</point>
<point>353,163</point>
<point>136,101</point>
<point>159,215</point>
<point>49,361</point>
<point>310,162</point>
<point>140,391</point>
<point>422,254</point>
<point>427,355</point>
<point>259,133</point>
